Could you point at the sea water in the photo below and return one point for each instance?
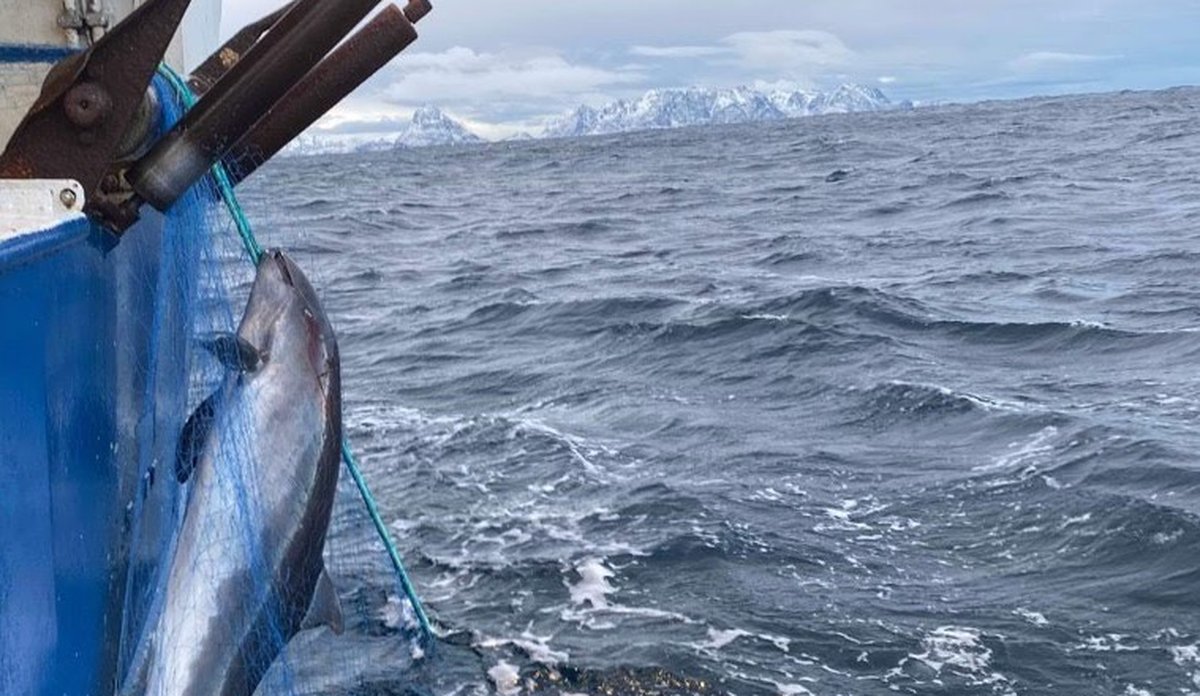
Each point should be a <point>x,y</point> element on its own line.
<point>884,403</point>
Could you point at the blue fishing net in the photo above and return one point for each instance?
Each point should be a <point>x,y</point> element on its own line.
<point>197,277</point>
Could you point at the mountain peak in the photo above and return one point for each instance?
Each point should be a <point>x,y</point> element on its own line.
<point>429,126</point>
<point>697,106</point>
<point>429,114</point>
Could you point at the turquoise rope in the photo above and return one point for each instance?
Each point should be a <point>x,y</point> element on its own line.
<point>393,553</point>
<point>255,252</point>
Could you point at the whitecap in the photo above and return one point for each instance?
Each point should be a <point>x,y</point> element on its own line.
<point>593,587</point>
<point>718,639</point>
<point>505,678</point>
<point>1033,617</point>
<point>1023,454</point>
<point>958,651</point>
<point>537,647</point>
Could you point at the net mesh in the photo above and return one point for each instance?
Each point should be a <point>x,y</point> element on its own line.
<point>197,277</point>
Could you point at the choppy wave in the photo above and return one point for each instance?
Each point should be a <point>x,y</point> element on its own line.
<point>890,403</point>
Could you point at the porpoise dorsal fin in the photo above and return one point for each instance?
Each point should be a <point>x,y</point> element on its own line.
<point>325,610</point>
<point>234,352</point>
<point>191,440</point>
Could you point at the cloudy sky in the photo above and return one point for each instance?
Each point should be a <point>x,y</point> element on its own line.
<point>504,65</point>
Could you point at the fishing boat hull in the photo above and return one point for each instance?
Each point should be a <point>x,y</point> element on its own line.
<point>92,394</point>
<point>58,435</point>
<point>93,385</point>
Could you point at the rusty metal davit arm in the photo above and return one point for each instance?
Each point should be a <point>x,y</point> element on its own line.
<point>263,88</point>
<point>292,47</point>
<point>351,64</point>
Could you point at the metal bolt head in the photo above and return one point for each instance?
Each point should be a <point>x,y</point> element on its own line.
<point>68,198</point>
<point>110,184</point>
<point>87,104</point>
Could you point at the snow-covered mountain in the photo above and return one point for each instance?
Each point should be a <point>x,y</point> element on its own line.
<point>697,106</point>
<point>656,109</point>
<point>428,127</point>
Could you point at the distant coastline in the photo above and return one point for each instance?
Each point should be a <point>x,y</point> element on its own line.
<point>431,127</point>
<point>658,109</point>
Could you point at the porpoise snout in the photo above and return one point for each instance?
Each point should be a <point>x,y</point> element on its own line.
<point>276,262</point>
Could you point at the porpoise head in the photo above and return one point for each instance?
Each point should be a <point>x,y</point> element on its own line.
<point>284,319</point>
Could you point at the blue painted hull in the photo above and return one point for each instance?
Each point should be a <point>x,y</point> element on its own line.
<point>92,387</point>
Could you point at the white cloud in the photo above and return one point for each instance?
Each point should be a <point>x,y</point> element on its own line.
<point>783,52</point>
<point>1042,60</point>
<point>496,94</point>
<point>463,76</point>
<point>782,85</point>
<point>788,50</point>
<point>887,80</point>
<point>677,51</point>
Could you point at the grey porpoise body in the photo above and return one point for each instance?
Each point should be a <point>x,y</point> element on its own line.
<point>247,572</point>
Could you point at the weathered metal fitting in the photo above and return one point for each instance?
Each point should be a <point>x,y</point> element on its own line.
<point>142,127</point>
<point>91,98</point>
<point>71,19</point>
<point>179,162</point>
<point>98,20</point>
<point>31,205</point>
<point>87,104</point>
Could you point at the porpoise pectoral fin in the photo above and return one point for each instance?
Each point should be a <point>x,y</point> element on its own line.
<point>234,352</point>
<point>325,609</point>
<point>191,440</point>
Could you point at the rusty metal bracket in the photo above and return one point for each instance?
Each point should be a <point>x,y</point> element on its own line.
<point>89,100</point>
